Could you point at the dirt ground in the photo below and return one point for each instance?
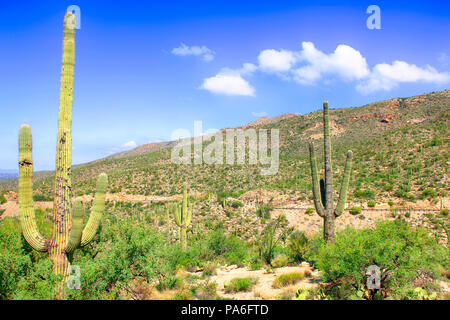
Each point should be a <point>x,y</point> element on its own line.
<point>263,289</point>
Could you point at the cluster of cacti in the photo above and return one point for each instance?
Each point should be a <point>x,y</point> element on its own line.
<point>323,192</point>
<point>68,232</point>
<point>183,215</point>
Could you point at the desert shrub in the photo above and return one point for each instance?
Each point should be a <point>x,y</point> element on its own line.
<point>264,210</point>
<point>256,264</point>
<point>298,245</point>
<point>41,197</point>
<point>429,193</point>
<point>401,252</point>
<point>280,261</point>
<point>239,285</point>
<point>209,269</point>
<point>309,210</point>
<point>287,279</point>
<point>365,194</point>
<point>236,204</point>
<point>371,204</point>
<point>230,249</point>
<point>272,235</point>
<point>206,290</point>
<point>444,212</point>
<point>390,203</point>
<point>355,210</point>
<point>2,198</point>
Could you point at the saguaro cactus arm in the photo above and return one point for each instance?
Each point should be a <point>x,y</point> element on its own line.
<point>315,182</point>
<point>26,209</point>
<point>177,215</point>
<point>344,187</point>
<point>97,211</point>
<point>77,227</point>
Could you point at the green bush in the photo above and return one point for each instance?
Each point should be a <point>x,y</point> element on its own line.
<point>371,204</point>
<point>287,279</point>
<point>298,245</point>
<point>429,193</point>
<point>240,285</point>
<point>264,210</point>
<point>2,198</point>
<point>309,210</point>
<point>270,238</point>
<point>280,261</point>
<point>355,210</point>
<point>236,204</point>
<point>365,194</point>
<point>41,197</point>
<point>402,252</point>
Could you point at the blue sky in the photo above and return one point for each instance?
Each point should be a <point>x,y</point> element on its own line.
<point>144,70</point>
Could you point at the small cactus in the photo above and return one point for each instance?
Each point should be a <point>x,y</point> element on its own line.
<point>323,190</point>
<point>183,215</point>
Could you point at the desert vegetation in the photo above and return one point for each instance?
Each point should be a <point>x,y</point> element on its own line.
<point>159,230</point>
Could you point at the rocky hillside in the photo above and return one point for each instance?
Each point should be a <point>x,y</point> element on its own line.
<point>401,150</point>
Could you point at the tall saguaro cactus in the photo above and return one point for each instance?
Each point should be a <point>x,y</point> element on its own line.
<point>68,233</point>
<point>183,215</point>
<point>323,191</point>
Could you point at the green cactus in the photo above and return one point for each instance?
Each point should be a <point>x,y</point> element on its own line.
<point>183,215</point>
<point>68,233</point>
<point>323,190</point>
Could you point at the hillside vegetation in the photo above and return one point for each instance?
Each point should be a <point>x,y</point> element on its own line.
<point>401,150</point>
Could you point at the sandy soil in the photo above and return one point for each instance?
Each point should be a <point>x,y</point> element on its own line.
<point>263,288</point>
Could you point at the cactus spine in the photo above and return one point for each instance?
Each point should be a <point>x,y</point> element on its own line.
<point>183,215</point>
<point>323,191</point>
<point>67,233</point>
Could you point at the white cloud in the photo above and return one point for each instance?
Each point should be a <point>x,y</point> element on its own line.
<point>387,76</point>
<point>129,145</point>
<point>345,62</point>
<point>310,65</point>
<point>184,50</point>
<point>123,147</point>
<point>271,60</point>
<point>228,84</point>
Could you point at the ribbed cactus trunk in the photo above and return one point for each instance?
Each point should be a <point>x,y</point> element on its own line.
<point>329,222</point>
<point>62,205</point>
<point>183,215</point>
<point>323,190</point>
<point>68,233</point>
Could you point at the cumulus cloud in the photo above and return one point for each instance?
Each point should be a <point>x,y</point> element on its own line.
<point>387,76</point>
<point>309,66</point>
<point>184,50</point>
<point>345,62</point>
<point>271,60</point>
<point>230,82</point>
